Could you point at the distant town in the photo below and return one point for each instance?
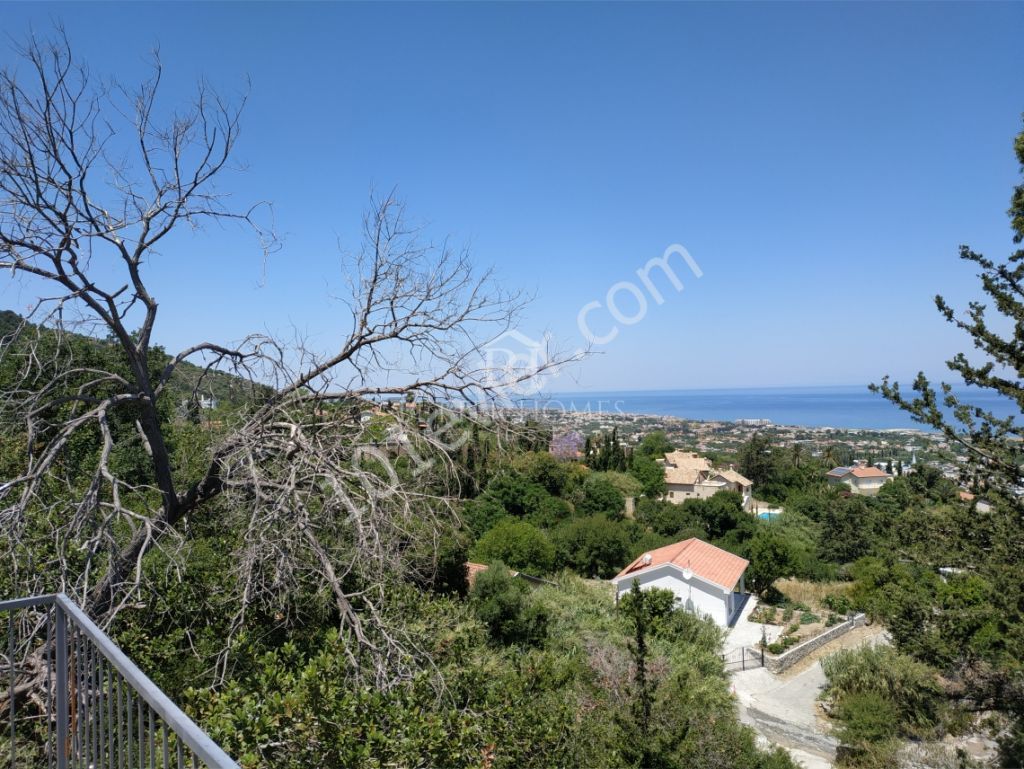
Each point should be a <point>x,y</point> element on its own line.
<point>892,450</point>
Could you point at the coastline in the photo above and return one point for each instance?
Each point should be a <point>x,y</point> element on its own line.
<point>725,438</point>
<point>847,407</point>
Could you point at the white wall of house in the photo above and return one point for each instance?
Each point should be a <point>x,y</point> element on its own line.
<point>867,486</point>
<point>746,492</point>
<point>708,600</point>
<point>680,492</point>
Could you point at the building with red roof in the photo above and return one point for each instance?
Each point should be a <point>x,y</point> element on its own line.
<point>707,580</point>
<point>861,480</point>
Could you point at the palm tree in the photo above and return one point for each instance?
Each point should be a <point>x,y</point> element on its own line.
<point>828,455</point>
<point>797,454</point>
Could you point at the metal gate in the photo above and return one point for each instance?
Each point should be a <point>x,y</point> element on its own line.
<point>742,659</point>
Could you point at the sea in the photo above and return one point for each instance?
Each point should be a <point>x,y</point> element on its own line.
<point>844,407</point>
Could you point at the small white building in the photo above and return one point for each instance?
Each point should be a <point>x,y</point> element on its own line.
<point>861,480</point>
<point>980,505</point>
<point>691,476</point>
<point>706,580</point>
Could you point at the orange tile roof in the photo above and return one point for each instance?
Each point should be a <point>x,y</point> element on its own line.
<point>708,562</point>
<point>858,472</point>
<point>472,569</point>
<point>868,472</point>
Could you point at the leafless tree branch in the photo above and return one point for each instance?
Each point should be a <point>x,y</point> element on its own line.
<point>93,178</point>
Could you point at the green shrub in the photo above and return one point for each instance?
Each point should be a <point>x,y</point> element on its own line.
<point>601,497</point>
<point>869,726</point>
<point>543,469</point>
<point>787,614</point>
<point>658,606</point>
<point>784,642</point>
<point>502,602</point>
<point>840,603</point>
<point>911,686</point>
<point>808,617</point>
<point>764,615</point>
<point>770,558</point>
<point>519,545</point>
<point>592,547</point>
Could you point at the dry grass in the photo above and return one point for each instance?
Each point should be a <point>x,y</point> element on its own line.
<point>810,593</point>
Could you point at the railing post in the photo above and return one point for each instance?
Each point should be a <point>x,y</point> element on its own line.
<point>85,660</point>
<point>62,685</point>
<point>10,700</point>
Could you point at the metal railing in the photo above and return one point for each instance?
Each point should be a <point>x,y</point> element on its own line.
<point>75,701</point>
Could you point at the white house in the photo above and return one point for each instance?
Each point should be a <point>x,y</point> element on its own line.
<point>981,505</point>
<point>691,476</point>
<point>706,579</point>
<point>861,480</point>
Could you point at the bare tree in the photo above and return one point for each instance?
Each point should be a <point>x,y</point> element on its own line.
<point>91,184</point>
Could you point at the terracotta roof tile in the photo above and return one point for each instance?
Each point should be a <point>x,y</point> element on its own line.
<point>705,560</point>
<point>472,569</point>
<point>868,472</point>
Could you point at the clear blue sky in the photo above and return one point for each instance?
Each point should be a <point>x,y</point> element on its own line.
<point>820,162</point>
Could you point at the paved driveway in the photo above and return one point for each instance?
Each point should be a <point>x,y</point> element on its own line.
<point>784,710</point>
<point>746,633</point>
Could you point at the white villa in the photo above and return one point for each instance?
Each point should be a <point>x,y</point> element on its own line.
<point>691,476</point>
<point>861,480</point>
<point>707,580</point>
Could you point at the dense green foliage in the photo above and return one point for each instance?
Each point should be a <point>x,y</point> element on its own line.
<point>969,622</point>
<point>280,690</point>
<point>878,695</point>
<point>519,544</point>
<point>502,602</point>
<point>594,546</point>
<point>565,700</point>
<point>910,686</point>
<point>507,676</point>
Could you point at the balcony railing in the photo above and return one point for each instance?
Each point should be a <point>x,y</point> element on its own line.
<point>75,701</point>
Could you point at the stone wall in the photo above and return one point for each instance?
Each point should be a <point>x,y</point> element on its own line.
<point>779,663</point>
